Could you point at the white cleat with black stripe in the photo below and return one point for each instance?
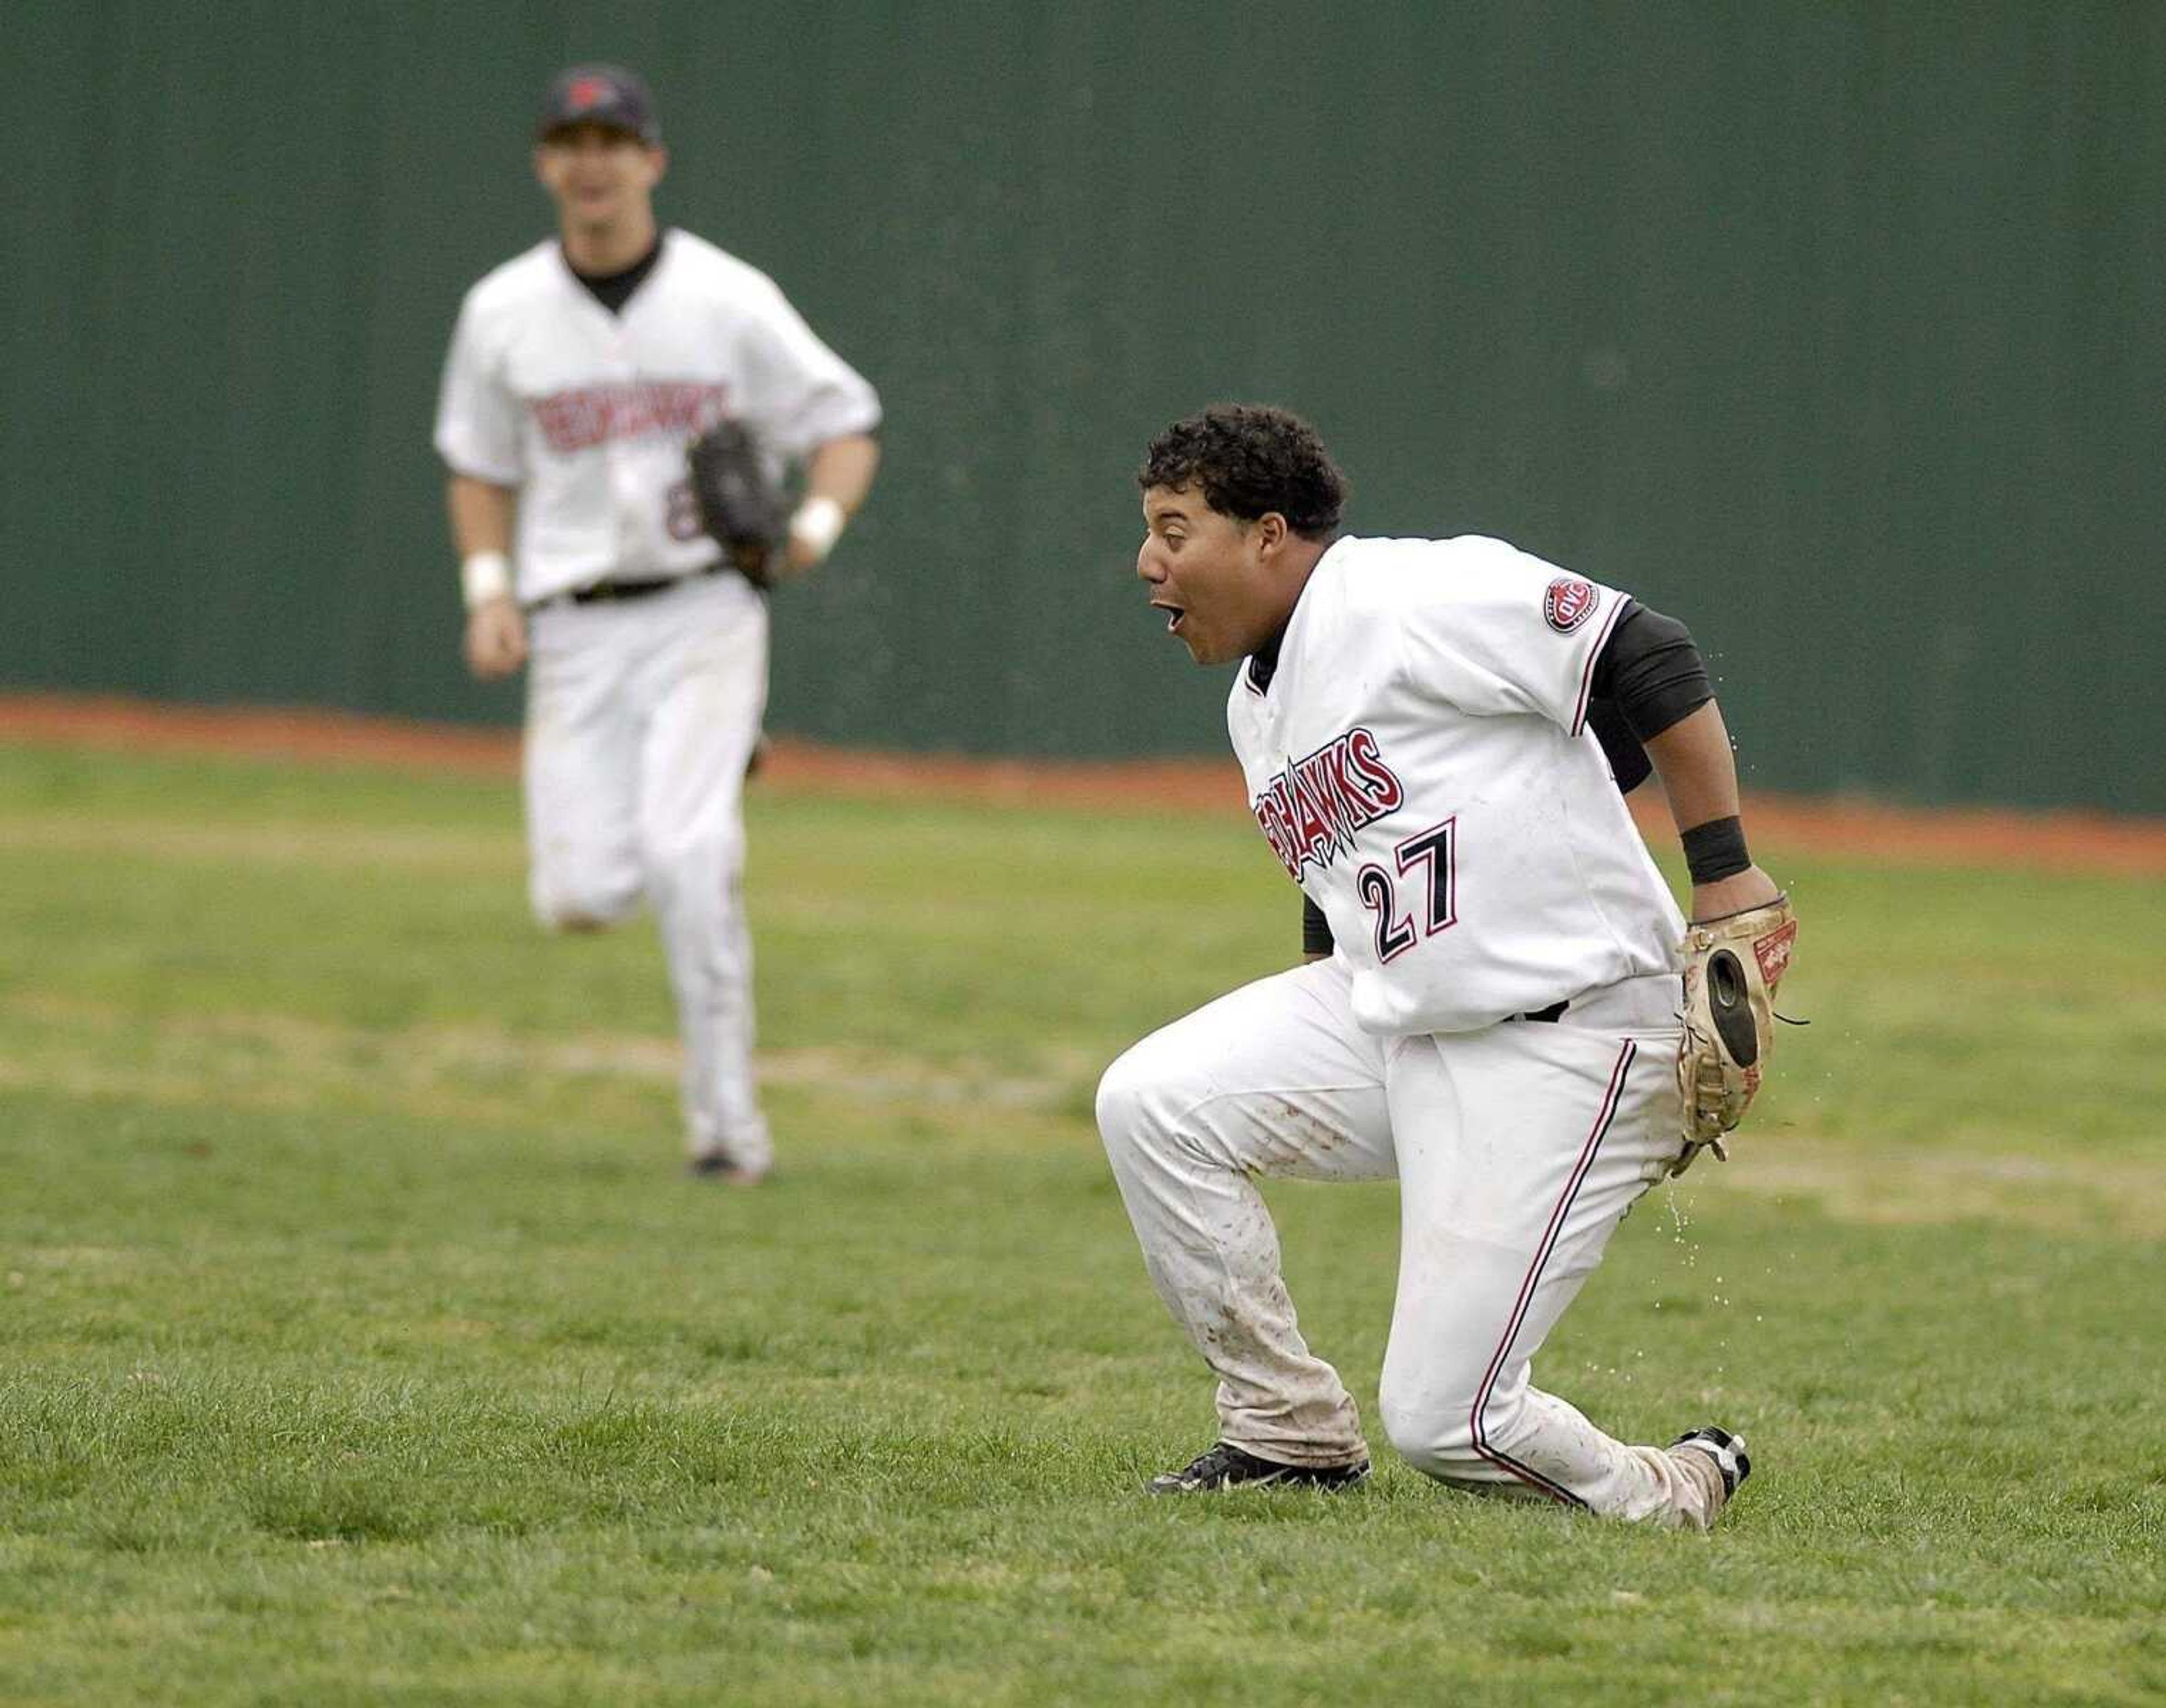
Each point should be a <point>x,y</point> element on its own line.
<point>1722,1451</point>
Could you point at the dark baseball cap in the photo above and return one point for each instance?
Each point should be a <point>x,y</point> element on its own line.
<point>599,95</point>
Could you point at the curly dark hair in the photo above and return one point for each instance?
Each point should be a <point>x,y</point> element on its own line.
<point>1251,458</point>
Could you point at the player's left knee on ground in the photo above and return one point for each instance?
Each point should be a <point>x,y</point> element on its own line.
<point>1429,1424</point>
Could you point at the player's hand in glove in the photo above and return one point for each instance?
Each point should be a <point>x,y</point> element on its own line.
<point>1733,964</point>
<point>740,505</point>
<point>496,639</point>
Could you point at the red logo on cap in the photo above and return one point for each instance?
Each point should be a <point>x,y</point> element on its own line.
<point>1567,603</point>
<point>588,92</point>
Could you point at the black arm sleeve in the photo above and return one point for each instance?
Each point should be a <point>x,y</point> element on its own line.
<point>1628,762</point>
<point>1316,937</point>
<point>1651,673</point>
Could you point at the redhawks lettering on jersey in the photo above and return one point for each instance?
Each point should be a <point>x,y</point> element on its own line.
<point>1314,806</point>
<point>574,420</point>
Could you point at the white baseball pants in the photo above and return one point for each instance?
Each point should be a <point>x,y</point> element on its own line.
<point>641,716</point>
<point>1518,1149</point>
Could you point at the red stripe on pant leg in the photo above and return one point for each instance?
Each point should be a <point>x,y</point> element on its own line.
<point>1611,1100</point>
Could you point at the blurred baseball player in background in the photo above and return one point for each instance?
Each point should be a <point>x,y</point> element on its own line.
<point>578,373</point>
<point>1492,1009</point>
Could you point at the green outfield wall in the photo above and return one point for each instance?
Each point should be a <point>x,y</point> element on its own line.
<point>1838,329</point>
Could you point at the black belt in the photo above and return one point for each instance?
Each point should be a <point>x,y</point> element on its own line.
<point>609,592</point>
<point>1553,1012</point>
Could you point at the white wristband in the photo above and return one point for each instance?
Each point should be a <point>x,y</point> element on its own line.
<point>485,576</point>
<point>817,525</point>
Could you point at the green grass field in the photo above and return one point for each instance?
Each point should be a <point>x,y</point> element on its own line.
<point>362,1342</point>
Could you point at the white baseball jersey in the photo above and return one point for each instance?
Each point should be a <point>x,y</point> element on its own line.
<point>588,412</point>
<point>1420,762</point>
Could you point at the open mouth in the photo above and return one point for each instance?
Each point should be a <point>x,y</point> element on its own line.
<point>1174,614</point>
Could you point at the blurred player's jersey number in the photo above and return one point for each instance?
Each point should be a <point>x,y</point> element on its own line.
<point>681,508</point>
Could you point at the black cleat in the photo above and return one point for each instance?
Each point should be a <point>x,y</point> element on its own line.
<point>1226,1467</point>
<point>716,1165</point>
<point>1726,1449</point>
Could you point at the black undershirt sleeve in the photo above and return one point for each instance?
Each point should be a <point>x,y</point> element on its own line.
<point>1315,929</point>
<point>1652,672</point>
<point>1628,762</point>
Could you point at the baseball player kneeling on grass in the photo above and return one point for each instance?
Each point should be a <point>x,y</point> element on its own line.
<point>1502,1006</point>
<point>627,399</point>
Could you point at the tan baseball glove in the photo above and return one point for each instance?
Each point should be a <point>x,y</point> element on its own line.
<point>1732,967</point>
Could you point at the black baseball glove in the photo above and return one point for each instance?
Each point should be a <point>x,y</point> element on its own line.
<point>739,506</point>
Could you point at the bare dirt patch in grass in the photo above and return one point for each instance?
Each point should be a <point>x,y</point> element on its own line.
<point>2063,841</point>
<point>339,846</point>
<point>281,1062</point>
<point>271,1061</point>
<point>2076,1191</point>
